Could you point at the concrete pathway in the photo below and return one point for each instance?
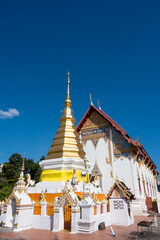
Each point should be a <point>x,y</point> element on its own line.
<point>121,233</point>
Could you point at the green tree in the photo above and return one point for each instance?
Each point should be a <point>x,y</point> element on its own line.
<point>11,172</point>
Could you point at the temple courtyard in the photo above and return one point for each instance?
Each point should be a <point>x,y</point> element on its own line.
<point>121,233</point>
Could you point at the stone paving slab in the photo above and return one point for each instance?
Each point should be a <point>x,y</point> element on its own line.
<point>5,230</point>
<point>11,239</point>
<point>121,233</point>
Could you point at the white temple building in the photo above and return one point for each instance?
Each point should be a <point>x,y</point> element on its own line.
<point>119,156</point>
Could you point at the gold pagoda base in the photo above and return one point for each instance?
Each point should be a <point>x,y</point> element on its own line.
<point>59,175</point>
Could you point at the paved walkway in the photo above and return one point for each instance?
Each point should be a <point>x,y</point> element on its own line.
<point>122,233</point>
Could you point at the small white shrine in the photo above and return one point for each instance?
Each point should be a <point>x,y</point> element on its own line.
<point>120,202</point>
<point>18,208</point>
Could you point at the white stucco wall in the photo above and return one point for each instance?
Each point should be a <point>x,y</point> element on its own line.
<point>123,167</point>
<point>42,222</point>
<point>124,172</point>
<point>101,152</point>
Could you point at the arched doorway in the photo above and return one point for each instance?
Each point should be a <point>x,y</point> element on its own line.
<point>67,216</point>
<point>63,209</point>
<point>13,205</point>
<point>13,211</point>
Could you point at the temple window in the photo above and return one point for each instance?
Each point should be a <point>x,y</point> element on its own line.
<point>80,213</point>
<point>129,209</point>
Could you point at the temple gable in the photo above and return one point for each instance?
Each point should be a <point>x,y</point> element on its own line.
<point>95,120</point>
<point>96,126</point>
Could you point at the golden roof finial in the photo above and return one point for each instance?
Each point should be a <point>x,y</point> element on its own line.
<point>87,178</point>
<point>99,105</point>
<point>137,140</point>
<point>91,99</point>
<point>96,160</point>
<point>23,168</point>
<point>68,101</point>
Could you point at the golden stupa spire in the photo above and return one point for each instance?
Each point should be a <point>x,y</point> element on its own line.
<point>22,167</point>
<point>66,143</point>
<point>68,100</point>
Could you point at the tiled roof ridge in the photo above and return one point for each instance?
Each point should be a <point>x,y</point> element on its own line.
<point>115,125</point>
<point>123,188</point>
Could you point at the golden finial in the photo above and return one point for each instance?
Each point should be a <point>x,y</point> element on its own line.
<point>68,77</point>
<point>87,178</point>
<point>99,105</point>
<point>68,101</point>
<point>91,99</point>
<point>137,140</point>
<point>96,160</point>
<point>23,168</point>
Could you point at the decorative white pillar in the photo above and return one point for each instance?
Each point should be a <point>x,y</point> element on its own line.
<point>98,205</point>
<point>43,209</point>
<point>74,219</point>
<point>158,202</point>
<point>87,211</point>
<point>58,223</point>
<point>33,207</point>
<point>87,223</point>
<point>104,206</point>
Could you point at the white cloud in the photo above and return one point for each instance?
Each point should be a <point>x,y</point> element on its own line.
<point>12,112</point>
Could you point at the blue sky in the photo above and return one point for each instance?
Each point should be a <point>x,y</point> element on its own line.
<point>112,49</point>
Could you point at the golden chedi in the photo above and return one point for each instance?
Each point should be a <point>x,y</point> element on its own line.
<point>66,152</point>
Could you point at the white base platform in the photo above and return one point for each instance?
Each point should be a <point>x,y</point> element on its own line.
<point>139,207</point>
<point>57,187</point>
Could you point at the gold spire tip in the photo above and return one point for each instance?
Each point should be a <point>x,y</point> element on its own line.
<point>68,101</point>
<point>68,82</point>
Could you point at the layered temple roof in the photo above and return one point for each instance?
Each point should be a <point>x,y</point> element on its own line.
<point>138,147</point>
<point>66,143</point>
<point>121,187</point>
